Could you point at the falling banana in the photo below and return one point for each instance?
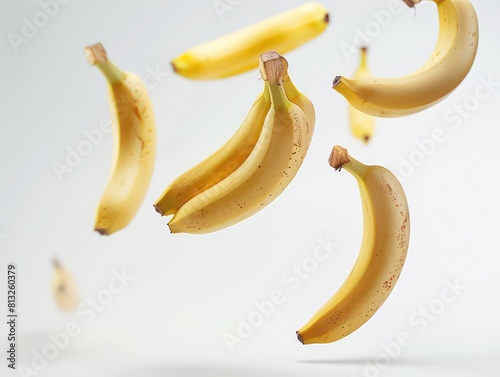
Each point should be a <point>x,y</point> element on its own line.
<point>234,152</point>
<point>269,167</point>
<point>237,52</point>
<point>381,258</point>
<point>362,125</point>
<point>134,139</point>
<point>448,65</point>
<point>64,288</point>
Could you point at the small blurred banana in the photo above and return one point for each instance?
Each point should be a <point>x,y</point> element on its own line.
<point>64,288</point>
<point>362,125</point>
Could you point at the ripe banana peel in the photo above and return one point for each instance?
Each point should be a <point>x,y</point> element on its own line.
<point>134,144</point>
<point>253,167</point>
<point>238,52</point>
<point>449,64</point>
<point>64,288</point>
<point>386,234</point>
<point>362,125</point>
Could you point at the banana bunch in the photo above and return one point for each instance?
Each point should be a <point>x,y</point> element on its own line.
<point>134,143</point>
<point>236,53</point>
<point>253,167</point>
<point>448,65</point>
<point>386,234</point>
<point>362,125</point>
<point>64,288</point>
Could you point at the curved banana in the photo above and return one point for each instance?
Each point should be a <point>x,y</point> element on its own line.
<point>134,143</point>
<point>234,152</point>
<point>381,258</point>
<point>237,52</point>
<point>64,288</point>
<point>448,65</point>
<point>270,167</point>
<point>362,125</point>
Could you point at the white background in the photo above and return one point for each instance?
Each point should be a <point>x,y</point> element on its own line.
<point>188,291</point>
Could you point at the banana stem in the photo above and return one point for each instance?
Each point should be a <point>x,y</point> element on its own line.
<point>279,99</point>
<point>56,263</point>
<point>96,55</point>
<point>339,158</point>
<point>273,68</point>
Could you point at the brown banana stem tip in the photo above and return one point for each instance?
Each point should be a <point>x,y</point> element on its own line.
<point>101,231</point>
<point>338,157</point>
<point>55,262</point>
<point>299,337</point>
<point>271,67</point>
<point>411,3</point>
<point>336,81</point>
<point>96,54</point>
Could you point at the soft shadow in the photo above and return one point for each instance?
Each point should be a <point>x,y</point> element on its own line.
<point>393,361</point>
<point>203,371</point>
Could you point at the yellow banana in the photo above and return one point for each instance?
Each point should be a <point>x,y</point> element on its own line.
<point>381,258</point>
<point>448,65</point>
<point>237,52</point>
<point>219,165</point>
<point>362,125</point>
<point>64,288</point>
<point>267,171</point>
<point>134,143</point>
<point>234,152</point>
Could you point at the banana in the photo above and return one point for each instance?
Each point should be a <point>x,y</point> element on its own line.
<point>134,143</point>
<point>237,52</point>
<point>64,288</point>
<point>220,164</point>
<point>234,152</point>
<point>265,173</point>
<point>448,65</point>
<point>362,125</point>
<point>381,258</point>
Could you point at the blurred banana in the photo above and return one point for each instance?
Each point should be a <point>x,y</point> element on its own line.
<point>64,288</point>
<point>238,52</point>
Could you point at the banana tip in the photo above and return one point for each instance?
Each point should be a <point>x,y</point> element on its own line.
<point>102,231</point>
<point>299,337</point>
<point>336,81</point>
<point>174,67</point>
<point>158,209</point>
<point>327,18</point>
